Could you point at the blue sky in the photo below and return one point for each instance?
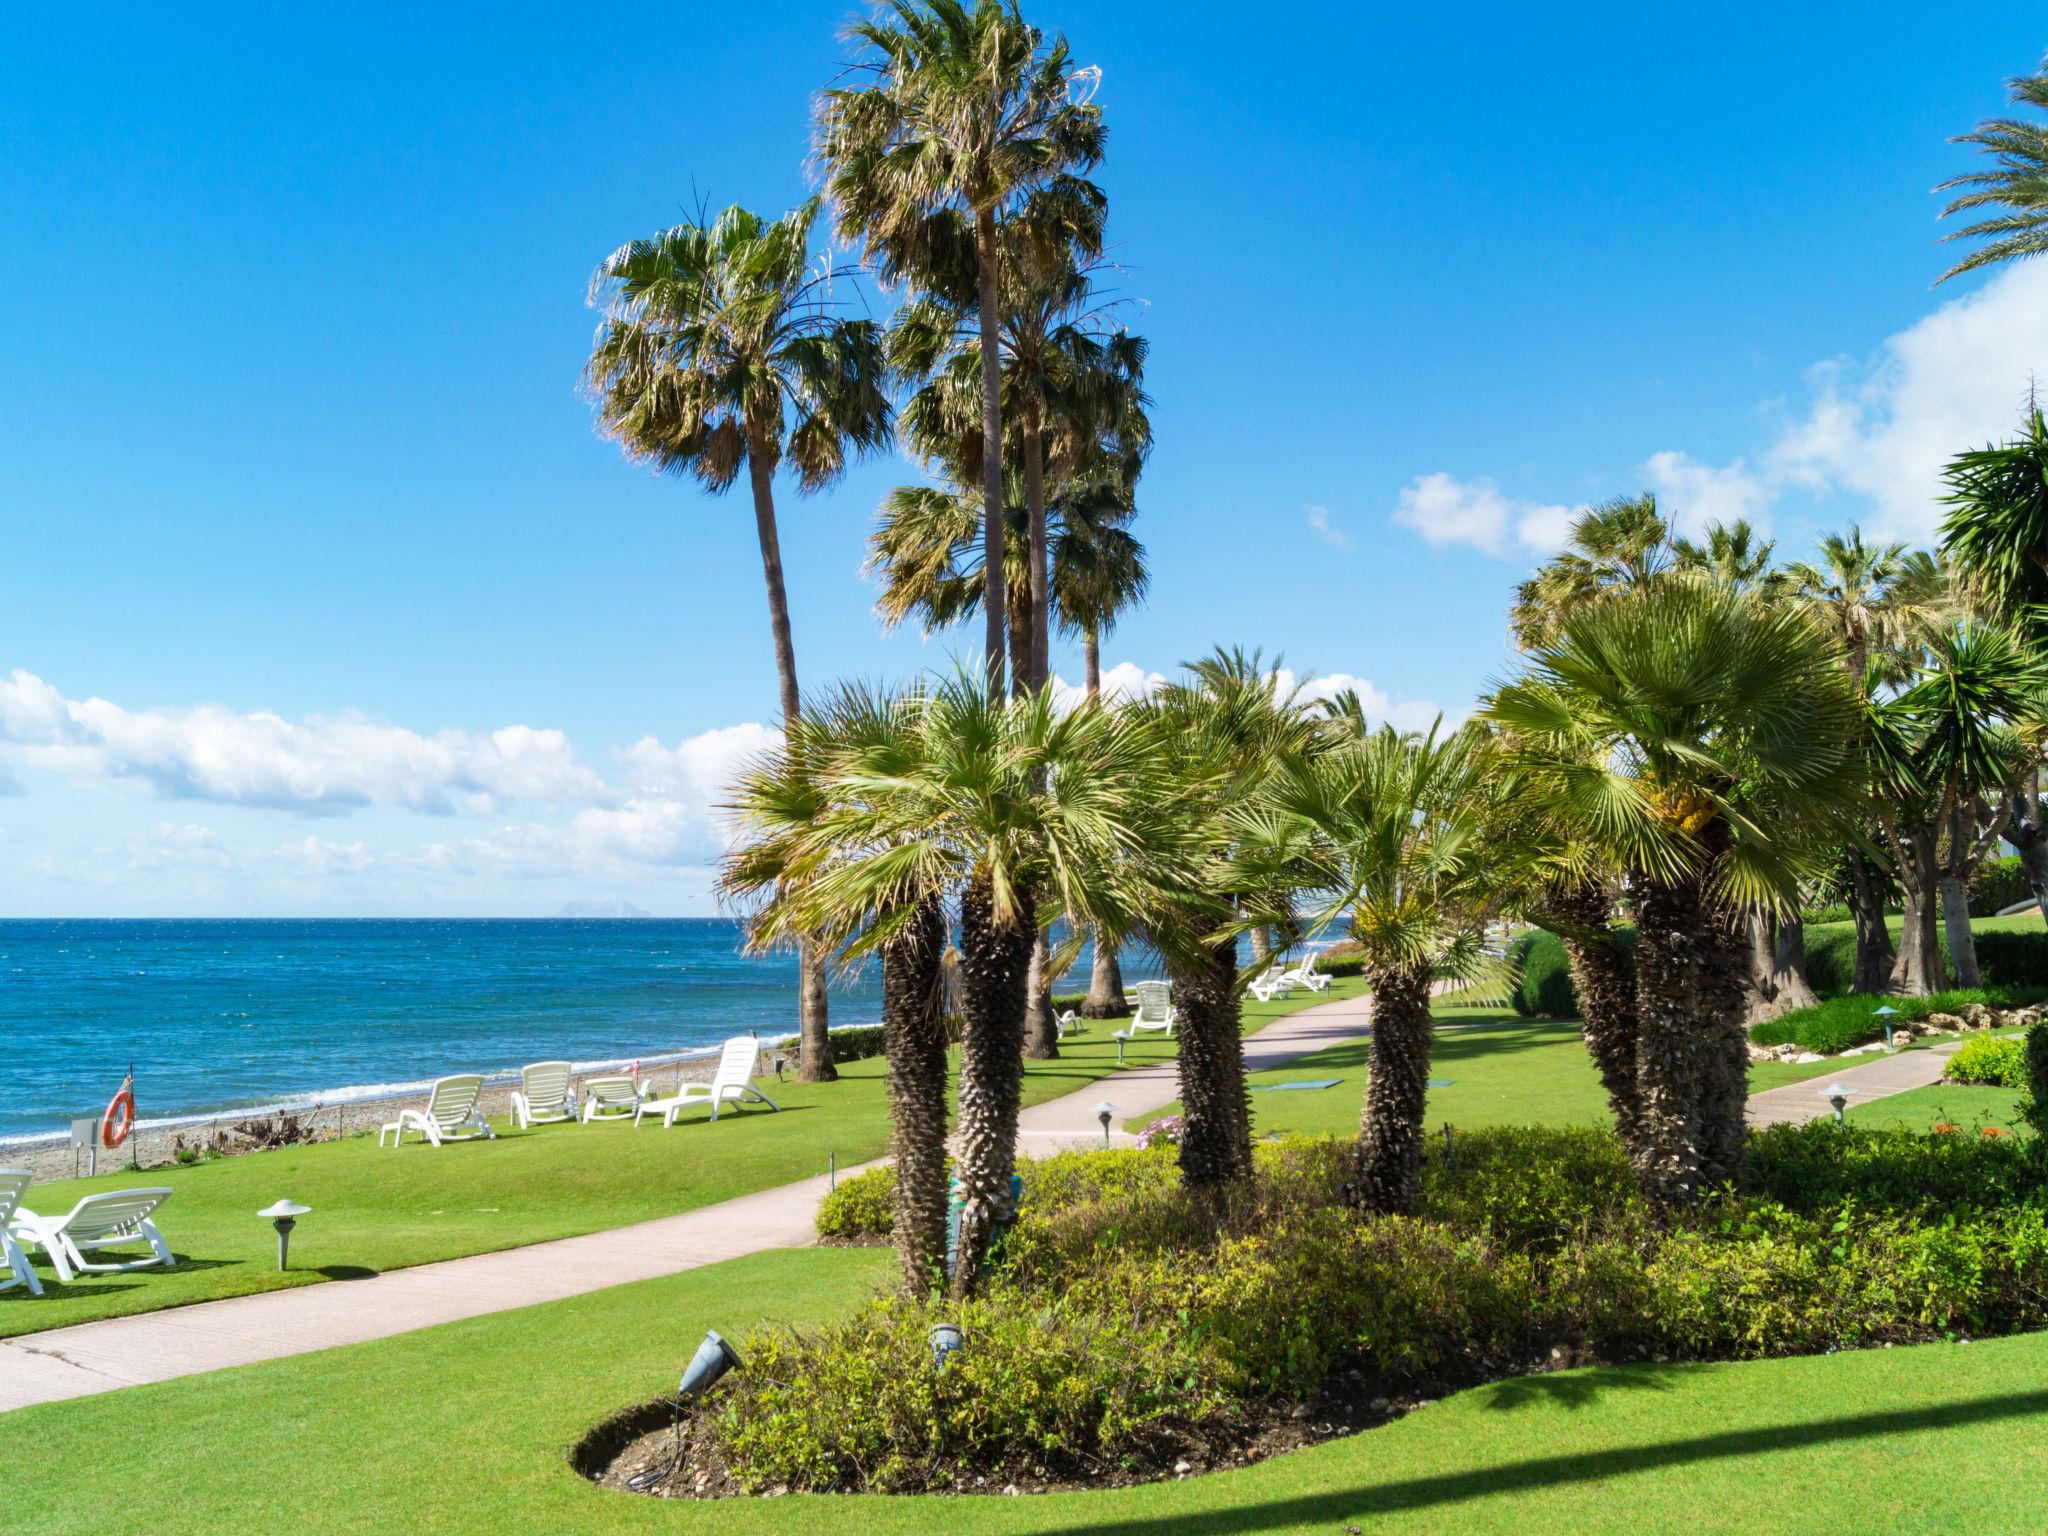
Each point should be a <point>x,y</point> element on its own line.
<point>321,594</point>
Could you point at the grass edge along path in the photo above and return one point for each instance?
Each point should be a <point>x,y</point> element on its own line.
<point>448,1428</point>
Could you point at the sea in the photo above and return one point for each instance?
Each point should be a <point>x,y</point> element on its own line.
<point>218,1015</point>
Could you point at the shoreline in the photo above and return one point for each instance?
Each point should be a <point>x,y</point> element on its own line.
<point>155,1143</point>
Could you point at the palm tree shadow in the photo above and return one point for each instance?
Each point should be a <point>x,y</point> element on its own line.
<point>1545,1472</point>
<point>1576,1389</point>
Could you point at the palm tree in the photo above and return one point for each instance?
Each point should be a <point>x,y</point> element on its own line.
<point>949,792</point>
<point>1879,601</point>
<point>2017,183</point>
<point>1734,555</point>
<point>1614,547</point>
<point>1700,742</point>
<point>720,350</point>
<point>963,114</point>
<point>1400,824</point>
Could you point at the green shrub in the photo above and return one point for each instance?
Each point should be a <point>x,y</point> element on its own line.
<point>862,1206</point>
<point>1544,978</point>
<point>1999,1061</point>
<point>1998,884</point>
<point>2035,1106</point>
<point>855,1043</point>
<point>1831,957</point>
<point>1837,912</point>
<point>1837,1023</point>
<point>1340,960</point>
<point>1126,1311</point>
<point>2013,959</point>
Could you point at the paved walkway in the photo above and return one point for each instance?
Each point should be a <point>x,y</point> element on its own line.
<point>1879,1078</point>
<point>181,1341</point>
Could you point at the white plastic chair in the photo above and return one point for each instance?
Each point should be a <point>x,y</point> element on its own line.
<point>733,1082</point>
<point>543,1096</point>
<point>1068,1020</point>
<point>612,1098</point>
<point>1272,982</point>
<point>13,1183</point>
<point>1306,973</point>
<point>451,1114</point>
<point>113,1217</point>
<point>1155,1008</point>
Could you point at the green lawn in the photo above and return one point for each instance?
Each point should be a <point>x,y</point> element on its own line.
<point>1967,1106</point>
<point>376,1209</point>
<point>1489,1067</point>
<point>465,1427</point>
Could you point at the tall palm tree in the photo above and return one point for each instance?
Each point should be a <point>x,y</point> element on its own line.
<point>1701,742</point>
<point>961,114</point>
<point>2017,183</point>
<point>1733,555</point>
<point>1400,826</point>
<point>720,350</point>
<point>1880,601</point>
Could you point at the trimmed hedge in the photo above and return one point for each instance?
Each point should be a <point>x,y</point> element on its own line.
<point>1837,1023</point>
<point>1998,884</point>
<point>1999,1061</point>
<point>856,1043</point>
<point>862,1206</point>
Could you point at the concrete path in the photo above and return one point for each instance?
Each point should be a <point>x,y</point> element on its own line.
<point>1879,1078</point>
<point>209,1336</point>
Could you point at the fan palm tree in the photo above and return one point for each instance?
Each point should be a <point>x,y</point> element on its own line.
<point>1996,526</point>
<point>1400,825</point>
<point>1614,547</point>
<point>961,115</point>
<point>1880,601</point>
<point>720,351</point>
<point>950,792</point>
<point>2016,182</point>
<point>1701,743</point>
<point>1733,555</point>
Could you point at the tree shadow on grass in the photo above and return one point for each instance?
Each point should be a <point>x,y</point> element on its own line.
<point>1577,1389</point>
<point>1544,1472</point>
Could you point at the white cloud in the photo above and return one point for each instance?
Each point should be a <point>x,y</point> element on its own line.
<point>1956,379</point>
<point>1120,684</point>
<point>1319,525</point>
<point>1380,707</point>
<point>318,766</point>
<point>1692,496</point>
<point>1447,510</point>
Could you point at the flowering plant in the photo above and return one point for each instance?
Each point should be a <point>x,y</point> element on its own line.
<point>1162,1132</point>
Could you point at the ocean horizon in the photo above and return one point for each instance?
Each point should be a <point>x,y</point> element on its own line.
<point>232,1014</point>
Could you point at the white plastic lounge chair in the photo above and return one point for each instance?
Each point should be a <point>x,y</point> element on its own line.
<point>612,1098</point>
<point>1155,1008</point>
<point>13,1262</point>
<point>733,1082</point>
<point>115,1216</point>
<point>1307,974</point>
<point>1069,1020</point>
<point>451,1114</point>
<point>1274,981</point>
<point>543,1096</point>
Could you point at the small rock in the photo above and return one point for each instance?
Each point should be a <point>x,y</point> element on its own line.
<point>1380,1405</point>
<point>1181,1469</point>
<point>1011,1490</point>
<point>1298,1411</point>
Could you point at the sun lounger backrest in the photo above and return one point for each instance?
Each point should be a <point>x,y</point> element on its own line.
<point>1154,998</point>
<point>613,1090</point>
<point>737,1062</point>
<point>454,1099</point>
<point>116,1210</point>
<point>545,1082</point>
<point>13,1183</point>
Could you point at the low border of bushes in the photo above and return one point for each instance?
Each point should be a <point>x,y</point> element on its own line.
<point>853,1042</point>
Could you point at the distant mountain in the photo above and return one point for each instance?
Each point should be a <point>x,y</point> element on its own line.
<point>617,907</point>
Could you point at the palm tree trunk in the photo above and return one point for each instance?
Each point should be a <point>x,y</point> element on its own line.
<point>1874,952</point>
<point>2029,838</point>
<point>1386,1167</point>
<point>1105,983</point>
<point>1091,654</point>
<point>1605,983</point>
<point>813,1023</point>
<point>1041,1026</point>
<point>995,600</point>
<point>1034,506</point>
<point>914,1035</point>
<point>994,958</point>
<point>1216,1125</point>
<point>1262,947</point>
<point>1918,972</point>
<point>1955,899</point>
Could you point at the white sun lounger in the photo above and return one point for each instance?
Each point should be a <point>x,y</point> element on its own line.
<point>1306,974</point>
<point>451,1114</point>
<point>113,1217</point>
<point>612,1098</point>
<point>543,1096</point>
<point>1155,1007</point>
<point>1272,982</point>
<point>734,1081</point>
<point>13,1262</point>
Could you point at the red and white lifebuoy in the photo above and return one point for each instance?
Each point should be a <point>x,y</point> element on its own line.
<point>119,1119</point>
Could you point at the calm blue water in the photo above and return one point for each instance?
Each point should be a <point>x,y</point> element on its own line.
<point>231,1014</point>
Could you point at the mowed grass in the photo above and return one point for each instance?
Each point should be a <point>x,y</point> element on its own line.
<point>375,1208</point>
<point>1969,1107</point>
<point>467,1427</point>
